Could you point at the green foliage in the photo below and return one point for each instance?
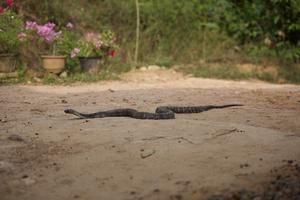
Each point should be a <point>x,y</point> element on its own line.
<point>96,44</point>
<point>186,32</point>
<point>65,45</point>
<point>66,41</point>
<point>10,27</point>
<point>224,72</point>
<point>274,23</point>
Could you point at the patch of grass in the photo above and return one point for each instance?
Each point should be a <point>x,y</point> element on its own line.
<point>51,79</point>
<point>273,74</point>
<point>265,77</point>
<point>164,62</point>
<point>84,77</point>
<point>291,73</point>
<point>226,72</point>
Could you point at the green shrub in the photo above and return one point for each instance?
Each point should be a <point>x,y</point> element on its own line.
<point>10,28</point>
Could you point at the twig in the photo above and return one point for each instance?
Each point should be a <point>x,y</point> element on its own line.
<point>185,139</point>
<point>154,138</point>
<point>226,133</point>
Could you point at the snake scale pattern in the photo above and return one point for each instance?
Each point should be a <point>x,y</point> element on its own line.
<point>162,112</point>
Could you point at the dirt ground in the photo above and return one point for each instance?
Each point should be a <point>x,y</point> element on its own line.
<point>47,154</point>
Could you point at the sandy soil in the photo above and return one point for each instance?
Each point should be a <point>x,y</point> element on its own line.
<point>47,154</point>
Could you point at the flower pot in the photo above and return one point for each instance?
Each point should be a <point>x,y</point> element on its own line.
<point>90,64</point>
<point>8,63</point>
<point>54,64</point>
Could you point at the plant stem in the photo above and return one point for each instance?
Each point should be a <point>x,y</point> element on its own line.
<point>137,33</point>
<point>54,49</point>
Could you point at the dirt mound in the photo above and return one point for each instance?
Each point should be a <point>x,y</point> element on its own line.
<point>152,74</point>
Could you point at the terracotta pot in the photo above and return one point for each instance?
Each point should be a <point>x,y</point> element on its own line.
<point>90,64</point>
<point>54,64</point>
<point>8,63</point>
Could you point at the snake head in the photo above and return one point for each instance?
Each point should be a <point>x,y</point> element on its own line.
<point>69,111</point>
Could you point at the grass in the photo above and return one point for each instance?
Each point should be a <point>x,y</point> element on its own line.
<point>51,79</point>
<point>234,68</point>
<point>268,73</point>
<point>220,73</point>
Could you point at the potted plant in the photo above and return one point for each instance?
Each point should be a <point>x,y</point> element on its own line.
<point>10,38</point>
<point>54,45</point>
<point>93,49</point>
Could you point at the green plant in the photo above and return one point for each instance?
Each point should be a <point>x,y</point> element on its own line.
<point>96,45</point>
<point>10,32</point>
<point>272,23</point>
<point>66,44</point>
<point>49,40</point>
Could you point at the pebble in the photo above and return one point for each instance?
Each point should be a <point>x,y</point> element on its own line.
<point>64,101</point>
<point>5,167</point>
<point>63,75</point>
<point>147,153</point>
<point>28,181</point>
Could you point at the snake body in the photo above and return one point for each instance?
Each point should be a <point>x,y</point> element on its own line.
<point>162,112</point>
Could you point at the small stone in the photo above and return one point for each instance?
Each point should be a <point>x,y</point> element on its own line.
<point>153,67</point>
<point>28,181</point>
<point>63,75</point>
<point>147,153</point>
<point>5,167</point>
<point>16,138</point>
<point>38,80</point>
<point>25,176</point>
<point>156,190</point>
<point>290,161</point>
<point>64,101</point>
<point>143,69</point>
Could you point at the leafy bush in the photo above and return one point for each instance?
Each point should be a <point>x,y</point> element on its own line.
<point>180,32</point>
<point>273,23</point>
<point>96,45</point>
<point>10,29</point>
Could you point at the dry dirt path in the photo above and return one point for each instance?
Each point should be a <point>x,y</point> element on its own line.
<point>46,154</point>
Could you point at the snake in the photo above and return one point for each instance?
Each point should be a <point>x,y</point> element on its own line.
<point>161,112</point>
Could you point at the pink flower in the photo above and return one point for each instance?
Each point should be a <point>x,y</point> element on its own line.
<point>9,3</point>
<point>1,10</point>
<point>90,36</point>
<point>47,33</point>
<point>31,25</point>
<point>74,52</point>
<point>50,25</point>
<point>22,36</point>
<point>97,44</point>
<point>70,25</point>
